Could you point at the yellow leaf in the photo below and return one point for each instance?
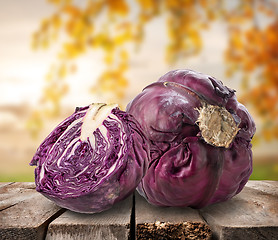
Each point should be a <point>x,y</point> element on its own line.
<point>117,7</point>
<point>122,38</point>
<point>62,71</point>
<point>44,25</point>
<point>147,4</point>
<point>72,50</point>
<point>78,29</point>
<point>45,43</point>
<point>173,4</point>
<point>124,55</point>
<point>109,58</point>
<point>71,10</point>
<point>56,21</point>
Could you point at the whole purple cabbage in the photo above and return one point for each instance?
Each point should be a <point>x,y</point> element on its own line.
<point>200,140</point>
<point>93,159</point>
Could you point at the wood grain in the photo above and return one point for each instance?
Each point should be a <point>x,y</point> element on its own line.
<point>268,187</point>
<point>168,222</point>
<point>252,214</point>
<point>13,193</point>
<point>3,184</point>
<point>111,224</point>
<point>25,213</point>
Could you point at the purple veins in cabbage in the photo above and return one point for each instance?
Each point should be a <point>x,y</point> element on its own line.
<point>89,162</point>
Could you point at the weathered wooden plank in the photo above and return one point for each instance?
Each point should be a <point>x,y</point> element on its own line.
<point>12,193</point>
<point>3,184</point>
<point>111,224</point>
<point>27,216</point>
<point>168,222</point>
<point>252,214</point>
<point>269,187</point>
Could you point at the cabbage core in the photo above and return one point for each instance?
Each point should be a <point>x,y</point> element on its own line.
<point>217,125</point>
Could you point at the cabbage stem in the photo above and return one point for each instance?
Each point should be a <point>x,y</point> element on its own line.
<point>217,125</point>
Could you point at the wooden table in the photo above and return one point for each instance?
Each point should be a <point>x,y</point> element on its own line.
<point>252,214</point>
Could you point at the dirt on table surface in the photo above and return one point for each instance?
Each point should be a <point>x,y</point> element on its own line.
<point>167,231</point>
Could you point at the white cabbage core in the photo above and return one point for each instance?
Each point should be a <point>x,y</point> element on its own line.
<point>93,119</point>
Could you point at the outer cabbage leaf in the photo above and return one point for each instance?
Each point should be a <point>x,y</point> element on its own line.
<point>199,138</point>
<point>91,160</point>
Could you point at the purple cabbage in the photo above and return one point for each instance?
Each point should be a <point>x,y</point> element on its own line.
<point>93,159</point>
<point>199,137</point>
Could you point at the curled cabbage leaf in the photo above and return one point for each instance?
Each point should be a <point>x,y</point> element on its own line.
<point>91,160</point>
<point>199,137</point>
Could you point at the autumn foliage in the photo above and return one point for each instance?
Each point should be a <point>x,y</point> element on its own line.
<point>113,25</point>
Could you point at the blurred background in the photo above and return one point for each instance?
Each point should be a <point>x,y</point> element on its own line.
<point>59,54</point>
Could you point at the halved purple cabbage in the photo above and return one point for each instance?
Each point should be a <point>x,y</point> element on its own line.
<point>200,140</point>
<point>93,159</point>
